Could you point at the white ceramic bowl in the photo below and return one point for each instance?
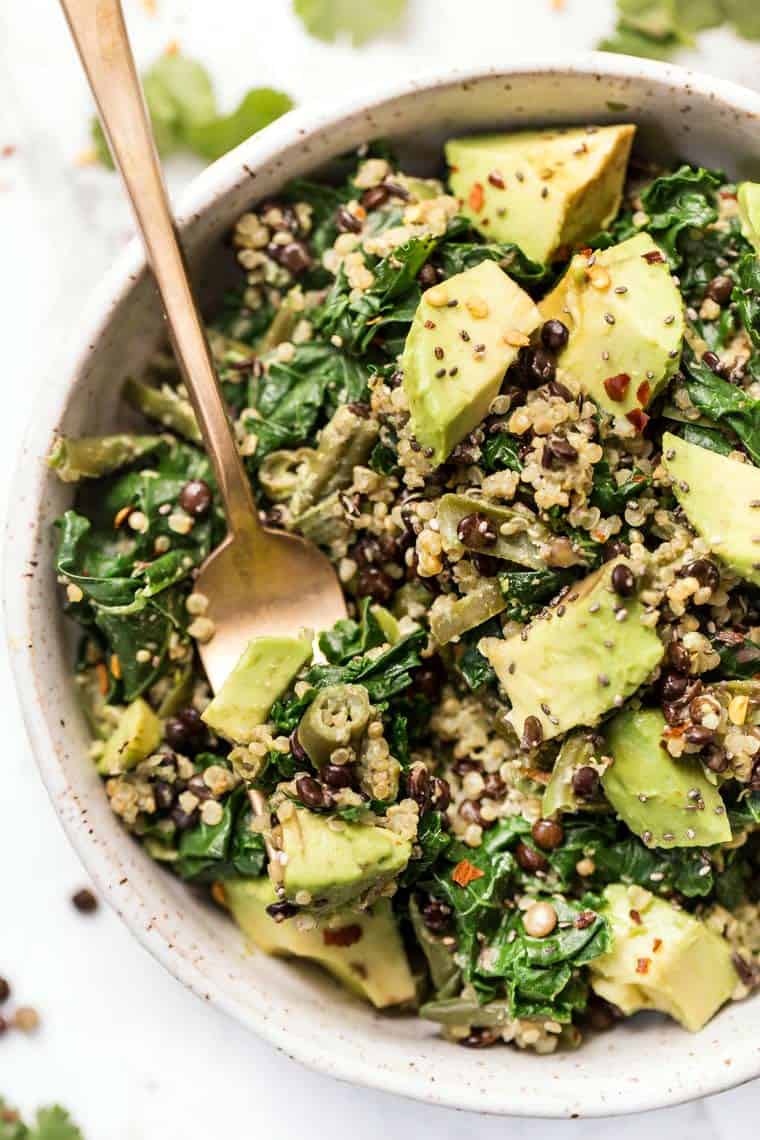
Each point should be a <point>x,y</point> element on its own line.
<point>646,1063</point>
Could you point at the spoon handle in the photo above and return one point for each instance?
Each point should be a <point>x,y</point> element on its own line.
<point>100,35</point>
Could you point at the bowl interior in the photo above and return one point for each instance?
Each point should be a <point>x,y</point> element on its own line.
<point>644,1064</point>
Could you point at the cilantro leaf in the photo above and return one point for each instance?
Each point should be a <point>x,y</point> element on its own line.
<point>333,19</point>
<point>52,1123</point>
<point>184,115</point>
<point>221,133</point>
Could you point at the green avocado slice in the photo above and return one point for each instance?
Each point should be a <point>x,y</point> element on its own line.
<point>136,736</point>
<point>361,948</point>
<point>662,958</point>
<point>666,802</point>
<point>577,659</point>
<point>263,673</point>
<point>543,190</point>
<point>626,321</point>
<point>465,334</point>
<point>721,499</point>
<point>331,862</point>
<point>748,195</point>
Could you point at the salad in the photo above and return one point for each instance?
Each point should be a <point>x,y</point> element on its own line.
<point>518,789</point>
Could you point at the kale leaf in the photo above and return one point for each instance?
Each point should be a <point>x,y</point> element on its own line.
<point>723,403</point>
<point>456,256</point>
<point>434,841</point>
<point>501,451</point>
<point>678,202</point>
<point>296,397</point>
<point>610,496</point>
<point>540,974</point>
<point>391,299</point>
<point>476,669</point>
<point>527,591</point>
<point>383,676</point>
<point>709,438</point>
<point>228,849</point>
<point>347,638</point>
<point>739,661</point>
<point>747,296</point>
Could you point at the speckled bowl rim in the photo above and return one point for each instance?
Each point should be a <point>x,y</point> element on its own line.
<point>294,128</point>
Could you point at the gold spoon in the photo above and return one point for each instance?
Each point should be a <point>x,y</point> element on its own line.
<point>257,581</point>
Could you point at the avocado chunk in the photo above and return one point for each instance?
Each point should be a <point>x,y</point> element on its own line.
<point>332,866</point>
<point>666,802</point>
<point>543,190</point>
<point>577,659</point>
<point>263,673</point>
<point>456,354</point>
<point>748,196</point>
<point>135,737</point>
<point>361,948</point>
<point>662,958</point>
<point>719,497</point>
<point>626,322</point>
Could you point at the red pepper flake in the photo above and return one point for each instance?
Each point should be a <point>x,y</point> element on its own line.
<point>653,257</point>
<point>585,251</point>
<point>643,392</point>
<point>343,936</point>
<point>638,418</point>
<point>465,873</point>
<point>656,945</point>
<point>635,917</point>
<point>476,198</point>
<point>8,150</point>
<point>642,965</point>
<point>727,194</point>
<point>496,178</point>
<point>617,386</point>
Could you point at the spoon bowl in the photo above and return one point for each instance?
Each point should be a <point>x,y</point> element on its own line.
<point>275,585</point>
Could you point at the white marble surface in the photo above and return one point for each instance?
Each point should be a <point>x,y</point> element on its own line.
<point>132,1054</point>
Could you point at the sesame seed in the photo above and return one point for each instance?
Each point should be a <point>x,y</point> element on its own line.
<point>620,289</point>
<point>438,352</point>
<point>670,319</point>
<point>690,833</point>
<point>464,334</point>
<point>683,486</point>
<point>643,797</point>
<point>670,453</point>
<point>429,324</point>
<point>544,191</point>
<point>440,372</point>
<point>621,615</point>
<point>604,680</point>
<point>609,318</point>
<point>453,371</point>
<point>594,607</point>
